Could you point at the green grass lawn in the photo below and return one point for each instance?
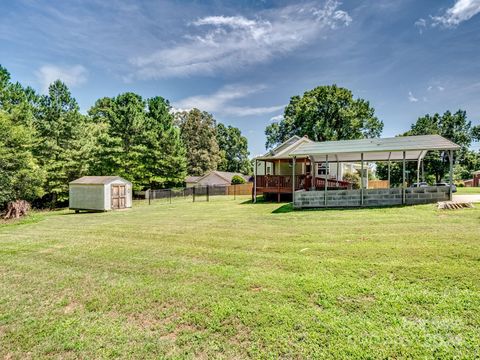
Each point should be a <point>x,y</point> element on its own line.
<point>468,190</point>
<point>226,279</point>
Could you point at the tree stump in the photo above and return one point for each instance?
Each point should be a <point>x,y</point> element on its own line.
<point>17,209</point>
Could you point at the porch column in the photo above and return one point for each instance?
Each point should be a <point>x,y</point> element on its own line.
<point>361,180</point>
<point>403,179</point>
<point>450,156</point>
<point>293,181</point>
<point>255,181</point>
<point>314,173</point>
<point>278,181</point>
<point>326,181</point>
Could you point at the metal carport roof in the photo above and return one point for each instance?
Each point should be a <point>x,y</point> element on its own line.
<point>378,149</point>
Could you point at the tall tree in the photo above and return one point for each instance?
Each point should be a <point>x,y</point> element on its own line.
<point>326,113</point>
<point>61,149</point>
<point>121,122</point>
<point>20,175</point>
<point>164,161</point>
<point>199,134</point>
<point>233,149</point>
<point>455,127</point>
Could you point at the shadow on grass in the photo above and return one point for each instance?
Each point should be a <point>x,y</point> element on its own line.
<point>286,208</point>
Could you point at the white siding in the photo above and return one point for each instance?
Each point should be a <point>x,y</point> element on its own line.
<point>108,194</point>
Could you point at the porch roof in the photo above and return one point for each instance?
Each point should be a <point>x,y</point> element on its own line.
<point>383,149</point>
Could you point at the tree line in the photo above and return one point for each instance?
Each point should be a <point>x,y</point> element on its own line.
<point>332,113</point>
<point>46,142</point>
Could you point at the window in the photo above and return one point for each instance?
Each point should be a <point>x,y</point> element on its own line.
<point>322,169</point>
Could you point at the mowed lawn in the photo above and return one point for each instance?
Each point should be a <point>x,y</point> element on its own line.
<point>227,279</point>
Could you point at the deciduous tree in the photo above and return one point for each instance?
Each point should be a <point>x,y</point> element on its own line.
<point>326,113</point>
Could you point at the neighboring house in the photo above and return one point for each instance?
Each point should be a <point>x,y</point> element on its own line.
<point>100,193</point>
<point>274,170</point>
<point>213,178</point>
<point>475,181</point>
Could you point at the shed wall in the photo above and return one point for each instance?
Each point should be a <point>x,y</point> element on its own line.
<point>86,197</point>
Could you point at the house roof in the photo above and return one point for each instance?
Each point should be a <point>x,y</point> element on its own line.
<point>97,180</point>
<point>225,175</point>
<point>283,150</point>
<point>192,179</point>
<point>415,147</point>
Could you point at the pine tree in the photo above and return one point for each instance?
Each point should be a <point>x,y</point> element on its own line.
<point>164,161</point>
<point>198,132</point>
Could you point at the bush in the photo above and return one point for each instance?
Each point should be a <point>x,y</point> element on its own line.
<point>352,178</point>
<point>237,179</point>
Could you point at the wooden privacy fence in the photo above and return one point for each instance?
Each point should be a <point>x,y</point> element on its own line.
<point>378,184</point>
<point>239,189</point>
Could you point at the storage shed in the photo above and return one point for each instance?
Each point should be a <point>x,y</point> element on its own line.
<point>100,193</point>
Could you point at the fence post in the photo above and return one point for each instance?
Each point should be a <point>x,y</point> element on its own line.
<point>149,195</point>
<point>208,192</point>
<point>193,193</point>
<point>234,191</point>
<point>170,195</point>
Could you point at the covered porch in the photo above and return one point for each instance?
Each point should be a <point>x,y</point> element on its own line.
<point>277,177</point>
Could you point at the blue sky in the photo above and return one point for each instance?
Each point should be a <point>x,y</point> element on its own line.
<point>243,60</point>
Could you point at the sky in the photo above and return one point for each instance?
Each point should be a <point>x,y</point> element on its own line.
<point>243,60</point>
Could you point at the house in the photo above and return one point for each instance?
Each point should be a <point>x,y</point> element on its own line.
<point>475,181</point>
<point>100,193</point>
<point>212,178</point>
<point>274,170</point>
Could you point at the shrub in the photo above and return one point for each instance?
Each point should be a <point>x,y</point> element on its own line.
<point>237,179</point>
<point>353,178</point>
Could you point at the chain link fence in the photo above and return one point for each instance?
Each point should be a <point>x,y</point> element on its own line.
<point>197,193</point>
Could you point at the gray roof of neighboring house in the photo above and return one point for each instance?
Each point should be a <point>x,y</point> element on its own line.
<point>227,176</point>
<point>191,179</point>
<point>97,180</point>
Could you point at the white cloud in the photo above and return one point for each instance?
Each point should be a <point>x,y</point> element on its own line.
<point>462,10</point>
<point>421,24</point>
<point>226,43</point>
<point>71,76</point>
<point>411,98</point>
<point>440,88</point>
<point>220,102</point>
<point>276,118</point>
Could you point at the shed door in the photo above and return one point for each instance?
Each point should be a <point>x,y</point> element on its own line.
<point>118,196</point>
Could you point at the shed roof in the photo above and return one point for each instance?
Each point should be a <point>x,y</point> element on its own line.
<point>97,180</point>
<point>376,149</point>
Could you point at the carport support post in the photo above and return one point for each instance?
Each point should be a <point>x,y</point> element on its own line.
<point>389,155</point>
<point>361,180</point>
<point>403,178</point>
<point>326,181</point>
<point>450,158</point>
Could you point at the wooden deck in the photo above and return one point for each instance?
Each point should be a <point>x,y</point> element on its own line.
<point>282,184</point>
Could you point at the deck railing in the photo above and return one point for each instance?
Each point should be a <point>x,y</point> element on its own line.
<point>280,181</point>
<point>301,182</point>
